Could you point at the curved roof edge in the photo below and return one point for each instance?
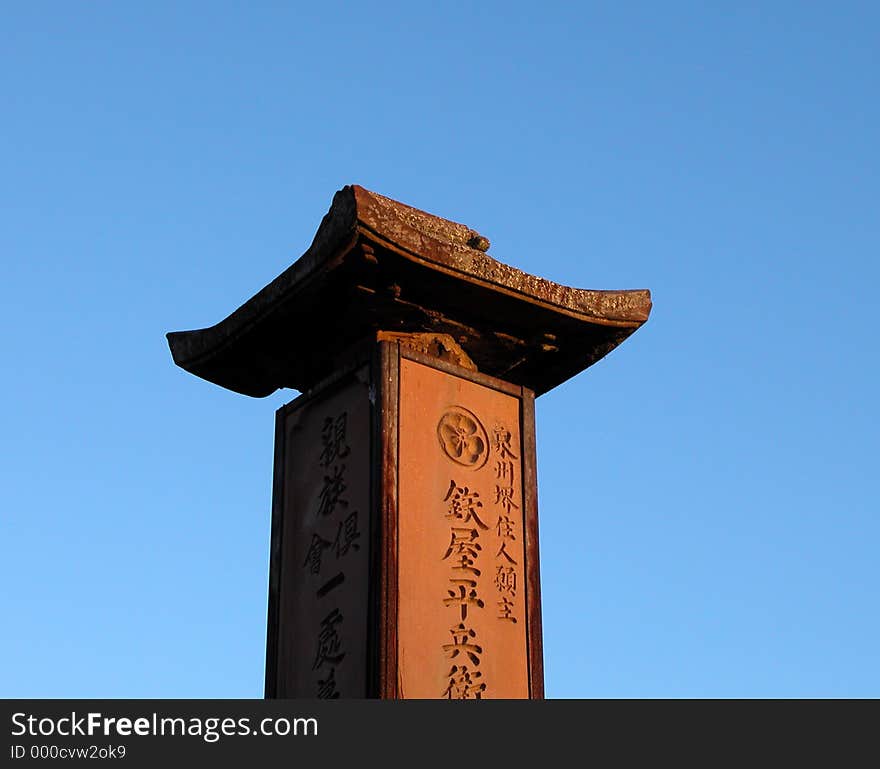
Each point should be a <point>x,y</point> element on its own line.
<point>376,264</point>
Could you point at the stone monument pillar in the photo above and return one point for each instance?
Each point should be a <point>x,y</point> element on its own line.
<point>404,546</point>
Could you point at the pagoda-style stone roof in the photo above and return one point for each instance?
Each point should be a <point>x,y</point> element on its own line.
<point>377,265</point>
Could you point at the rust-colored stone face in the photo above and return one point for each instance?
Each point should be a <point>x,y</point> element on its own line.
<point>324,561</point>
<point>462,624</point>
<point>404,536</point>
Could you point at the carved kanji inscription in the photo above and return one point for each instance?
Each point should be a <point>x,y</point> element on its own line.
<point>461,612</point>
<point>323,597</point>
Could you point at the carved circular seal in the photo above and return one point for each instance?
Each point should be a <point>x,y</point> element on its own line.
<point>463,438</point>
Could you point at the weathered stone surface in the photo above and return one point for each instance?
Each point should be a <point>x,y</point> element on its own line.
<point>379,265</point>
<point>440,346</point>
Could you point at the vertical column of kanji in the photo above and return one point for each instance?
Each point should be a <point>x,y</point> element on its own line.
<point>332,515</point>
<point>508,525</point>
<point>463,652</point>
<point>325,551</point>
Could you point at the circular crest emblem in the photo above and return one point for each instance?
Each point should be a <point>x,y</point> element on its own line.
<point>463,438</point>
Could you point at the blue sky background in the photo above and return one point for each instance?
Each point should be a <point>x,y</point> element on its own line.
<point>708,492</point>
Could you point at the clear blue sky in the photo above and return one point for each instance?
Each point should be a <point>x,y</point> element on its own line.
<point>708,492</point>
